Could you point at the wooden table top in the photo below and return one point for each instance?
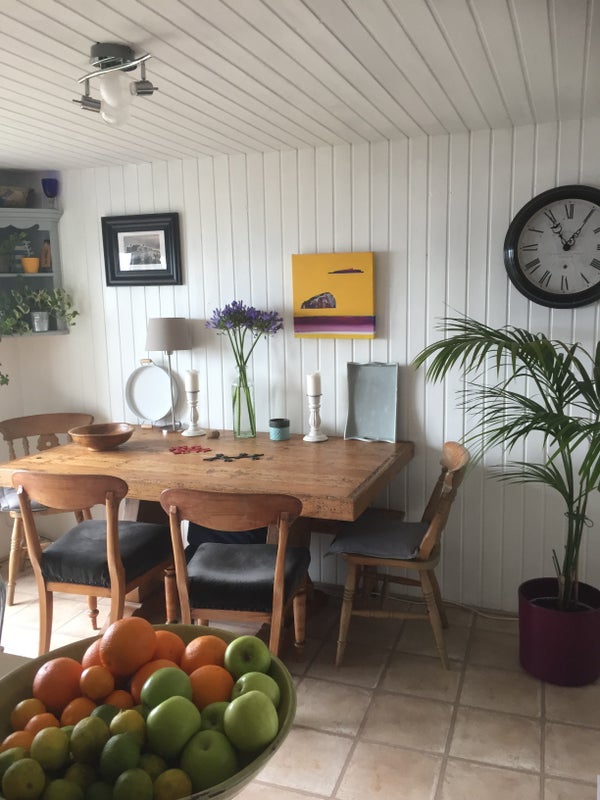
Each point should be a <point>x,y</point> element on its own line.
<point>336,479</point>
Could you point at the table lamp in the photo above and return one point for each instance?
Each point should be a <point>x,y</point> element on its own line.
<point>168,334</point>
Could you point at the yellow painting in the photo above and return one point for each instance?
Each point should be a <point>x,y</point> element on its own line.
<point>334,295</point>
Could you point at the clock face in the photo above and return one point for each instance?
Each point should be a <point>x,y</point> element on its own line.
<point>552,247</point>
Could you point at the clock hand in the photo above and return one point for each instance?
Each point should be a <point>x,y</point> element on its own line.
<point>571,239</point>
<point>556,228</point>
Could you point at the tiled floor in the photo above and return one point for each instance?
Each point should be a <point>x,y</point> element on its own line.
<point>391,724</point>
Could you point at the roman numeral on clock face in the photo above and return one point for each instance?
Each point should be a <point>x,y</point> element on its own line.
<point>545,279</point>
<point>595,263</point>
<point>535,247</point>
<point>531,266</point>
<point>569,210</point>
<point>564,283</point>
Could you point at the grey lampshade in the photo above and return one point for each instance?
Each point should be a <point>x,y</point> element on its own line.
<point>168,334</point>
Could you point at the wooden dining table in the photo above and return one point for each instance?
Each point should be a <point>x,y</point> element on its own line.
<point>336,480</point>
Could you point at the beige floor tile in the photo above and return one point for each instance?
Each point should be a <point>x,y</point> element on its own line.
<point>577,704</point>
<point>572,752</point>
<point>501,690</point>
<point>361,666</point>
<point>459,616</point>
<point>374,632</point>
<point>417,637</point>
<point>331,707</point>
<point>263,791</point>
<point>423,676</point>
<point>494,649</point>
<point>465,779</point>
<point>408,722</point>
<point>297,666</point>
<point>500,624</point>
<point>501,739</point>
<point>381,771</point>
<point>308,760</point>
<point>555,789</point>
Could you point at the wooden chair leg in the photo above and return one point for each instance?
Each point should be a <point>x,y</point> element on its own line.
<point>46,612</point>
<point>434,616</point>
<point>117,603</point>
<point>171,601</point>
<point>299,606</point>
<point>14,560</point>
<point>93,611</point>
<point>346,612</point>
<point>438,599</point>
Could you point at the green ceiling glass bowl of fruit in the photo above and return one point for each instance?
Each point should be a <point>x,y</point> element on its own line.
<point>146,711</point>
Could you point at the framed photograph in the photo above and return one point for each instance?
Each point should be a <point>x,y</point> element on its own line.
<point>142,250</point>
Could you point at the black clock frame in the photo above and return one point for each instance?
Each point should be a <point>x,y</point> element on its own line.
<point>511,260</point>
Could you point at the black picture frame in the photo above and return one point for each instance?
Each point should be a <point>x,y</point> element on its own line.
<point>142,250</point>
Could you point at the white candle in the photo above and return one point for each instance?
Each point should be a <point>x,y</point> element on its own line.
<point>313,384</point>
<point>191,380</point>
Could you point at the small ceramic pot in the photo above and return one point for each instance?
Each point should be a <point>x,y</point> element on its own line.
<point>30,264</point>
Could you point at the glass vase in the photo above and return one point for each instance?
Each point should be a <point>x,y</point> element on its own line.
<point>242,401</point>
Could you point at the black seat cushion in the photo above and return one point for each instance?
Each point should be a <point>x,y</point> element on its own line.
<point>80,555</point>
<point>9,501</point>
<point>232,576</point>
<point>199,534</point>
<point>375,536</point>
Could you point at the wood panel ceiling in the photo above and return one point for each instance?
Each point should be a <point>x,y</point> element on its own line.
<point>257,75</point>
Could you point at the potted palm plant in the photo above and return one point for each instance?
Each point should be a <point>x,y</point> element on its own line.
<point>519,383</point>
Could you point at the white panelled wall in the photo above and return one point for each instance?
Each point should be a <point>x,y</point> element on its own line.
<point>435,212</point>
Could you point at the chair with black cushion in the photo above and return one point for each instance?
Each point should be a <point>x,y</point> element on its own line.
<point>376,543</point>
<point>240,582</point>
<point>98,557</point>
<point>44,431</point>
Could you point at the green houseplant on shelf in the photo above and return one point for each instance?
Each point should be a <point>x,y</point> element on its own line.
<point>519,383</point>
<point>18,304</point>
<point>62,309</point>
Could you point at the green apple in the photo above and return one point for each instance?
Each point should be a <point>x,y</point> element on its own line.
<point>251,721</point>
<point>260,682</point>
<point>212,716</point>
<point>208,758</point>
<point>247,654</point>
<point>165,682</point>
<point>170,725</point>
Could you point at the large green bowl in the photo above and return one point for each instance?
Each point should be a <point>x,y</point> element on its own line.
<point>17,686</point>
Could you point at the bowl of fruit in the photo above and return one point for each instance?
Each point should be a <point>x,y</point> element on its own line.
<point>144,711</point>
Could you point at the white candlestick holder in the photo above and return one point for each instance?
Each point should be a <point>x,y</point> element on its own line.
<point>314,420</point>
<point>193,428</point>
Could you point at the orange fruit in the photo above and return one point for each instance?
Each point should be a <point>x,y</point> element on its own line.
<point>210,684</point>
<point>17,739</point>
<point>202,650</point>
<point>77,709</point>
<point>91,655</point>
<point>168,645</point>
<point>56,682</point>
<point>127,644</point>
<point>143,673</point>
<point>119,698</point>
<point>40,721</point>
<point>24,711</point>
<point>96,682</point>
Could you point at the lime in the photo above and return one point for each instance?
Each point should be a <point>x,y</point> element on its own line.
<point>8,757</point>
<point>153,764</point>
<point>164,683</point>
<point>129,721</point>
<point>121,752</point>
<point>172,784</point>
<point>23,780</point>
<point>105,712</point>
<point>68,729</point>
<point>81,774</point>
<point>50,747</point>
<point>88,738</point>
<point>99,790</point>
<point>61,789</point>
<point>133,784</point>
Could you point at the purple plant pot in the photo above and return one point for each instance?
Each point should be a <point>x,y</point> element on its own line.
<point>561,647</point>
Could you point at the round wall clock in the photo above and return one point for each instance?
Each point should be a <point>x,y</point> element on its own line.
<point>552,247</point>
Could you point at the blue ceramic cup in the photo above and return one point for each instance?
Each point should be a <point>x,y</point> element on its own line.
<point>279,429</point>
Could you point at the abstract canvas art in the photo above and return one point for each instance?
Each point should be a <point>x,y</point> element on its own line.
<point>334,295</point>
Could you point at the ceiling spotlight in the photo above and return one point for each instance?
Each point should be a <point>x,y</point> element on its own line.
<point>111,62</point>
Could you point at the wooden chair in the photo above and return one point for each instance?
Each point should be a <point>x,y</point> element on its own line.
<point>376,543</point>
<point>17,433</point>
<point>240,582</point>
<point>96,558</point>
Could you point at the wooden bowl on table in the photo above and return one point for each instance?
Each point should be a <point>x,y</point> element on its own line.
<point>103,435</point>
<point>17,686</point>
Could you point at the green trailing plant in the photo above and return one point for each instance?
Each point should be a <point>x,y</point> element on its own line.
<point>519,383</point>
<point>61,306</point>
<point>17,304</point>
<point>10,242</point>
